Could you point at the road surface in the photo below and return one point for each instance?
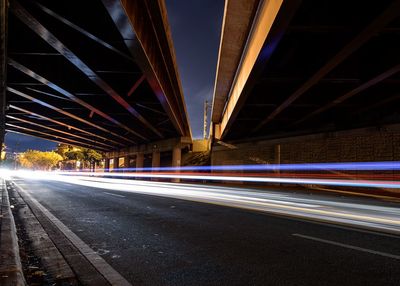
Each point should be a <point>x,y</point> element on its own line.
<point>155,240</point>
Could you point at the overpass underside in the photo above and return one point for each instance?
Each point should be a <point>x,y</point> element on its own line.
<point>307,81</point>
<point>99,74</point>
<point>303,67</point>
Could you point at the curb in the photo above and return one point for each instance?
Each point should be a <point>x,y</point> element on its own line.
<point>10,264</point>
<point>51,260</point>
<point>89,267</point>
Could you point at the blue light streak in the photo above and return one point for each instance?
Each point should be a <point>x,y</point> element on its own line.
<point>347,166</point>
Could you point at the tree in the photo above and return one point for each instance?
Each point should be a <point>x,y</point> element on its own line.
<point>3,152</point>
<point>89,157</point>
<point>39,160</point>
<point>62,149</point>
<point>72,155</point>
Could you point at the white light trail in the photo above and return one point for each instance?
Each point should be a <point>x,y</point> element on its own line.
<point>255,179</point>
<point>326,209</point>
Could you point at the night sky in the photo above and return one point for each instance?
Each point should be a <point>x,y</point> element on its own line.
<point>196,28</point>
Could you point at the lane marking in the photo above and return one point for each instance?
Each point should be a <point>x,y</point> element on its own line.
<point>331,214</point>
<point>348,246</point>
<point>241,201</point>
<point>121,196</point>
<point>354,228</point>
<point>109,273</point>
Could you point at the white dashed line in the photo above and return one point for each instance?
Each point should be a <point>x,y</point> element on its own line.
<point>121,196</point>
<point>348,246</point>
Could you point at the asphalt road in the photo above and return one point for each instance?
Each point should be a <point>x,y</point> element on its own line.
<point>153,240</point>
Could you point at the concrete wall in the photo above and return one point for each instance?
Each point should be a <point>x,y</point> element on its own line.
<point>371,144</point>
<point>201,145</point>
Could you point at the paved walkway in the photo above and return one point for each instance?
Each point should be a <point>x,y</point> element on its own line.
<point>10,264</point>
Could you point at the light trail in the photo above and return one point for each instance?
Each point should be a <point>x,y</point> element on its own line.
<point>383,176</point>
<point>343,166</point>
<point>248,178</point>
<point>231,177</point>
<point>320,208</point>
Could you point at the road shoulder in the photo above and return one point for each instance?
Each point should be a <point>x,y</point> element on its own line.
<point>10,265</point>
<point>88,266</point>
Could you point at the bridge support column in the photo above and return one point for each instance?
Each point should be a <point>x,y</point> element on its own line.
<point>278,159</point>
<point>126,163</point>
<point>116,164</point>
<point>176,156</point>
<point>155,162</point>
<point>278,156</point>
<point>3,68</point>
<point>106,165</point>
<point>155,159</point>
<point>139,161</point>
<point>176,160</point>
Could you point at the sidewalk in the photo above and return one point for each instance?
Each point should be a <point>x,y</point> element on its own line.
<point>10,265</point>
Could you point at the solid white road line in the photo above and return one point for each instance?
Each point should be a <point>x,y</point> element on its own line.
<point>109,273</point>
<point>115,195</point>
<point>348,246</point>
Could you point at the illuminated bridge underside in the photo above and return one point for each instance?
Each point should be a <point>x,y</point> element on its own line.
<point>87,73</point>
<point>320,66</point>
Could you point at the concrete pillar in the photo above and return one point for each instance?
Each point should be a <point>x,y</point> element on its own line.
<point>155,159</point>
<point>155,162</point>
<point>126,163</point>
<point>110,166</point>
<point>139,160</point>
<point>176,156</point>
<point>278,154</point>
<point>107,165</point>
<point>116,164</point>
<point>278,159</point>
<point>176,160</point>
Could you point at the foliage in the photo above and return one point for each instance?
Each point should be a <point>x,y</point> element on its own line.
<point>38,160</point>
<point>74,154</point>
<point>3,152</point>
<point>91,155</point>
<point>85,155</point>
<point>62,149</point>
